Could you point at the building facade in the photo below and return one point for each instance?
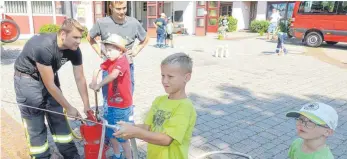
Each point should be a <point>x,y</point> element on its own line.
<point>201,17</point>
<point>192,17</point>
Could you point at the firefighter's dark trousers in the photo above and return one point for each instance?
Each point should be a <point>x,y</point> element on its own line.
<point>33,93</point>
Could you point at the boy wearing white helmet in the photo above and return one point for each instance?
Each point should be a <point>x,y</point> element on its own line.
<point>118,101</point>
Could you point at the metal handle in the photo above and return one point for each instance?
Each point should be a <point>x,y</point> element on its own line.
<point>96,105</point>
<point>96,97</point>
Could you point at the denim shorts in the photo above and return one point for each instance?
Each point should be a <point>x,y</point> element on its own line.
<point>114,115</point>
<point>272,28</point>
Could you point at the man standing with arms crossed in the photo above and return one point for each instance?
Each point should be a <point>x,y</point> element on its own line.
<point>37,84</point>
<point>127,27</point>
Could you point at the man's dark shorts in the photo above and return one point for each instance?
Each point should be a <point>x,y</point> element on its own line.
<point>169,36</point>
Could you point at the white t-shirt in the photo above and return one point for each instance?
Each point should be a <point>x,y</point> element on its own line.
<point>169,28</point>
<point>275,17</point>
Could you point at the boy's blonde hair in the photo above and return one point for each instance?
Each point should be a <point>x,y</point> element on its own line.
<point>181,59</point>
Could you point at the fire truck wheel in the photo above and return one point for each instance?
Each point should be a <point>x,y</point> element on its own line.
<point>313,39</point>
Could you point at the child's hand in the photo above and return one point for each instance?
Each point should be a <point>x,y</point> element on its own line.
<point>94,86</point>
<point>127,130</point>
<point>131,53</point>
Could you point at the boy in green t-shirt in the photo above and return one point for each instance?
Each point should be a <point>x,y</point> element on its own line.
<point>170,122</point>
<point>315,122</point>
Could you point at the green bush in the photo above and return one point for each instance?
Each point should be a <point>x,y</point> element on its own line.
<point>261,33</point>
<point>232,26</point>
<point>49,28</point>
<point>213,21</point>
<point>85,32</point>
<point>52,28</point>
<point>259,25</point>
<point>285,25</point>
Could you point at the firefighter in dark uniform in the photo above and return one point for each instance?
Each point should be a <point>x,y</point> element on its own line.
<point>37,84</point>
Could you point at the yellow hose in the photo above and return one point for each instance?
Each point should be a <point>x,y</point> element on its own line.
<point>72,132</point>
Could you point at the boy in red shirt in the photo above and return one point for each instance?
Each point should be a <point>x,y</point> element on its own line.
<point>119,100</point>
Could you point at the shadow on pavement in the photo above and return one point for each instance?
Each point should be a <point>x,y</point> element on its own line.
<point>290,51</point>
<point>256,124</point>
<point>298,42</point>
<point>9,55</point>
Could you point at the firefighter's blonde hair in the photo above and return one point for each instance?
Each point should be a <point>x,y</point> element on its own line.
<point>69,25</point>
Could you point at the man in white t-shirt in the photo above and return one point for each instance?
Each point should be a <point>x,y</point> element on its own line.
<point>274,18</point>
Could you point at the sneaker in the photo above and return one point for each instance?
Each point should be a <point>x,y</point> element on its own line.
<point>115,157</point>
<point>277,51</point>
<point>285,51</point>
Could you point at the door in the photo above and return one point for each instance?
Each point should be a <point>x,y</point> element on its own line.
<point>98,10</point>
<point>154,8</point>
<point>200,19</point>
<point>212,16</point>
<point>253,12</point>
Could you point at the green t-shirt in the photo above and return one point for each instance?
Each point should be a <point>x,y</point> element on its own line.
<point>175,118</point>
<point>295,152</point>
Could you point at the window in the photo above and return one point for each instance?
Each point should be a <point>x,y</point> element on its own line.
<point>201,3</point>
<point>290,10</point>
<point>150,22</point>
<point>200,22</point>
<point>200,12</point>
<point>212,4</point>
<point>212,22</point>
<point>15,7</point>
<point>178,16</point>
<point>285,9</point>
<point>151,11</point>
<point>226,10</point>
<point>212,13</point>
<point>318,7</point>
<point>42,7</point>
<point>281,7</point>
<point>144,6</point>
<point>342,9</point>
<point>60,7</point>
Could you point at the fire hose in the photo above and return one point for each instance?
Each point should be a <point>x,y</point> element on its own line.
<point>103,123</point>
<point>117,127</point>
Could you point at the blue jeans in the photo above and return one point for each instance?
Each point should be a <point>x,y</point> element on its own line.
<point>272,27</point>
<point>280,42</point>
<point>132,78</point>
<point>114,115</point>
<point>105,88</point>
<point>160,38</point>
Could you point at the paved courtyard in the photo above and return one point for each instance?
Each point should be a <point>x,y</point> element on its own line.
<point>241,101</point>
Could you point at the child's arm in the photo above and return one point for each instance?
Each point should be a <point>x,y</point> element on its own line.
<point>129,131</point>
<point>95,75</point>
<point>92,85</point>
<point>154,137</point>
<point>143,126</point>
<point>110,77</point>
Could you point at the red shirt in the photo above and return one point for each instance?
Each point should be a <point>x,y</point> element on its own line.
<point>119,90</point>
